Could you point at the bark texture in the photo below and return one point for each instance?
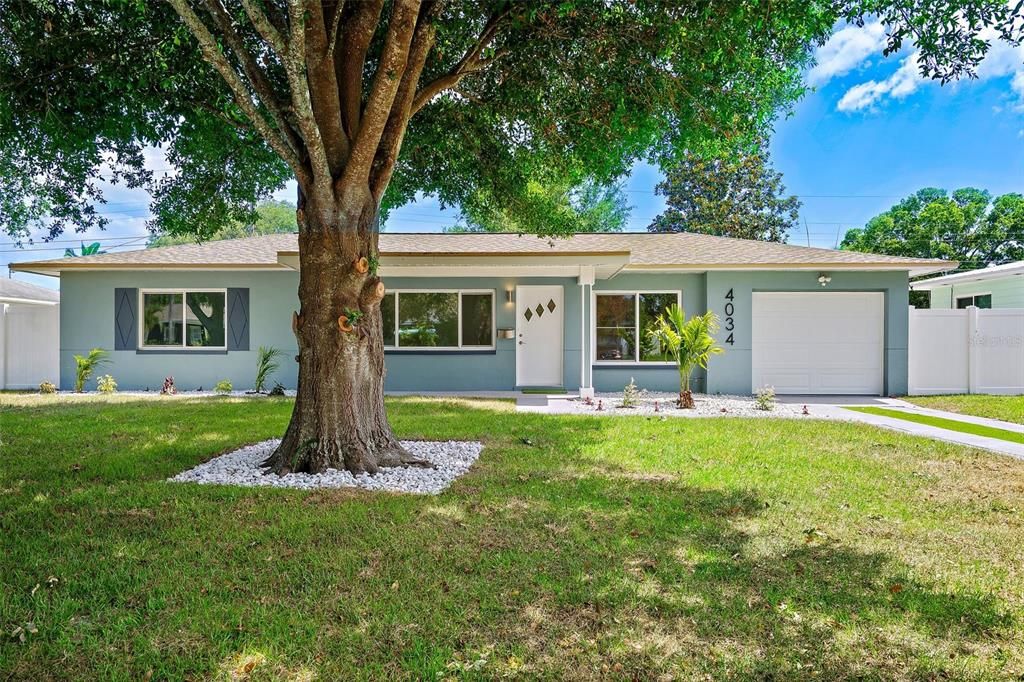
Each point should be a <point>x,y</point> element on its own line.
<point>339,420</point>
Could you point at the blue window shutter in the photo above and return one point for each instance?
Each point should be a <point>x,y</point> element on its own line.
<point>126,319</point>
<point>238,319</point>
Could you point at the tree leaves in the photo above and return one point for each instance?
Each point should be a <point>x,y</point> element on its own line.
<point>967,226</point>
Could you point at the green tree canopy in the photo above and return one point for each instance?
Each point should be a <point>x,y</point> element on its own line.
<point>727,195</point>
<point>968,226</point>
<point>271,217</point>
<point>549,207</point>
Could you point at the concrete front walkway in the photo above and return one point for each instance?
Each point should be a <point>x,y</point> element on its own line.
<point>835,410</point>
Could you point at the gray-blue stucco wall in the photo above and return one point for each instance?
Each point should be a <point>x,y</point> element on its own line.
<point>87,321</point>
<point>608,377</point>
<point>731,372</point>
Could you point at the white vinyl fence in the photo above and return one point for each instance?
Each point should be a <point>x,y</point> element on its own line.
<point>966,351</point>
<point>29,345</point>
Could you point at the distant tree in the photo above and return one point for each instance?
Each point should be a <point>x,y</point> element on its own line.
<point>967,226</point>
<point>735,195</point>
<point>270,217</point>
<point>548,207</point>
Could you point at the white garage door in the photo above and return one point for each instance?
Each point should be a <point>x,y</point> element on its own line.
<point>819,342</point>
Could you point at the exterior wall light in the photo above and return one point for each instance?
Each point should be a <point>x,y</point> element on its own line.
<point>824,279</point>
<point>509,295</point>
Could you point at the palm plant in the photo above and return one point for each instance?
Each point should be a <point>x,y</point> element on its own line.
<point>266,364</point>
<point>86,365</point>
<point>690,343</point>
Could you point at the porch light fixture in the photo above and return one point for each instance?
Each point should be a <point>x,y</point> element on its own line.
<point>824,279</point>
<point>509,293</point>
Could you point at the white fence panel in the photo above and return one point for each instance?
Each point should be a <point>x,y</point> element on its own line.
<point>939,352</point>
<point>966,351</point>
<point>999,352</point>
<point>30,345</point>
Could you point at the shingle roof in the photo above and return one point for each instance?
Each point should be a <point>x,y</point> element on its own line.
<point>23,291</point>
<point>645,251</point>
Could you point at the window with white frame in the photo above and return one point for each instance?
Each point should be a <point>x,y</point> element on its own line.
<point>183,319</point>
<point>622,322</point>
<point>438,319</point>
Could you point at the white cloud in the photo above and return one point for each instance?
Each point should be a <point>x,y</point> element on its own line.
<point>904,82</point>
<point>847,49</point>
<point>852,47</point>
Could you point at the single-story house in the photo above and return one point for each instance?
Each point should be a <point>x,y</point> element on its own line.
<point>29,334</point>
<point>1000,286</point>
<point>478,312</point>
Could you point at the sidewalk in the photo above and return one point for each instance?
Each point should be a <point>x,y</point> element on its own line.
<point>992,444</point>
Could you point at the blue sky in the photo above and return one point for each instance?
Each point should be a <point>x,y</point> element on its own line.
<point>870,133</point>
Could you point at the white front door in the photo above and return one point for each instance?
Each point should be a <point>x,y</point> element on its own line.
<point>539,325</point>
<point>821,342</point>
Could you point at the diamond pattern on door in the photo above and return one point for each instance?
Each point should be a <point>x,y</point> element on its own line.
<point>528,314</point>
<point>540,310</point>
<point>551,305</point>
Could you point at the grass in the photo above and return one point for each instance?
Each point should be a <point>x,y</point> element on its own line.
<point>542,391</point>
<point>608,548</point>
<point>940,422</point>
<point>1008,408</point>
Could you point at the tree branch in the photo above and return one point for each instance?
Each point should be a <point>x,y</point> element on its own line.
<point>324,91</point>
<point>386,81</point>
<point>266,28</point>
<point>470,62</point>
<point>253,72</point>
<point>295,67</point>
<point>356,36</point>
<point>332,37</point>
<point>243,98</point>
<point>398,119</point>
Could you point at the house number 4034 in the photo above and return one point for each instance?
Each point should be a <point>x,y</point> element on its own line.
<point>730,320</point>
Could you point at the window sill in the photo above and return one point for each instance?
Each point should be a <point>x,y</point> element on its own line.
<point>181,351</point>
<point>440,351</point>
<point>634,364</point>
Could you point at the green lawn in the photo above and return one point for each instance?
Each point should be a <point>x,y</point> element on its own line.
<point>942,423</point>
<point>609,548</point>
<point>1009,408</point>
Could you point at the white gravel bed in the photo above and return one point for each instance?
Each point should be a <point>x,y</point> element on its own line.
<point>706,406</point>
<point>450,458</point>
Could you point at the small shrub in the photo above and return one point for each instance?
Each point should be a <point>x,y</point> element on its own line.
<point>630,394</point>
<point>47,387</point>
<point>106,384</point>
<point>85,365</point>
<point>223,387</point>
<point>168,387</point>
<point>266,364</point>
<point>764,398</point>
<point>353,315</point>
<point>277,390</point>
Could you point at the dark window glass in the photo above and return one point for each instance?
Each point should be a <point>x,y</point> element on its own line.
<point>428,320</point>
<point>983,301</point>
<point>964,302</point>
<point>476,319</point>
<point>204,319</point>
<point>162,319</point>
<point>652,306</point>
<point>387,316</point>
<point>616,327</point>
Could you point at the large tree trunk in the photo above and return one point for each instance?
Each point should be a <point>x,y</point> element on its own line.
<point>339,419</point>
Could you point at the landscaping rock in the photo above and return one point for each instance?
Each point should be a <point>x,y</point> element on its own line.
<point>242,467</point>
<point>706,406</point>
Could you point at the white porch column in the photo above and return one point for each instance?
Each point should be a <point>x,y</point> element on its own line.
<point>585,279</point>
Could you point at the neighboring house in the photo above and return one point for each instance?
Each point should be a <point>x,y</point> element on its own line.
<point>478,312</point>
<point>1001,286</point>
<point>29,335</point>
